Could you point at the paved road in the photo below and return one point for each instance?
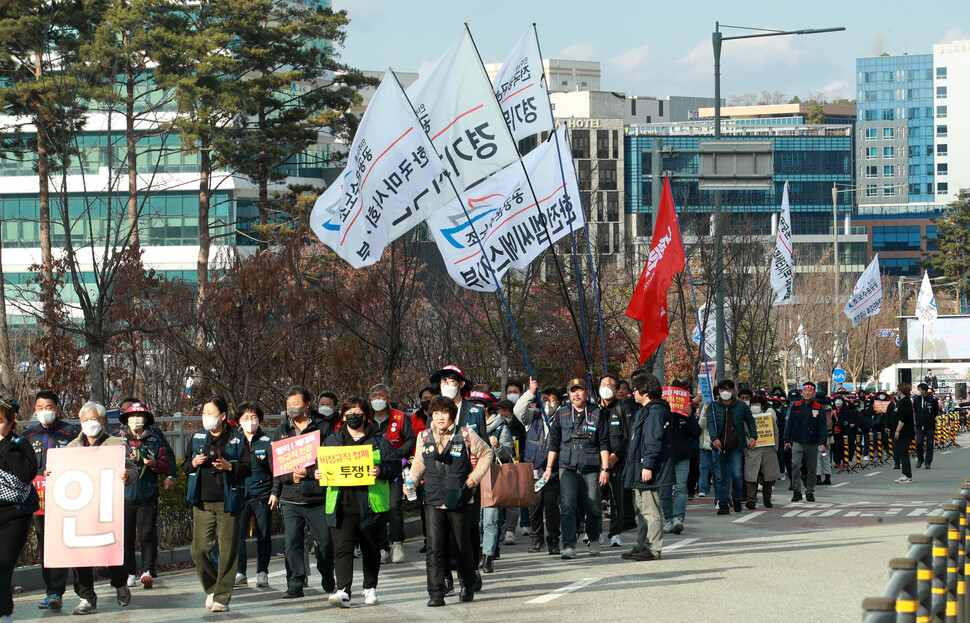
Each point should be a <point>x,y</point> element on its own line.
<point>795,562</point>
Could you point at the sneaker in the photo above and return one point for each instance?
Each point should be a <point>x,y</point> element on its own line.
<point>569,553</point>
<point>781,478</point>
<point>535,549</point>
<point>385,556</point>
<point>370,596</point>
<point>45,603</point>
<point>722,509</point>
<point>749,505</point>
<point>218,607</point>
<point>616,541</point>
<point>737,506</point>
<point>262,579</point>
<point>678,526</point>
<point>123,593</point>
<point>132,580</point>
<point>293,593</point>
<point>809,496</point>
<point>585,539</point>
<point>630,554</point>
<point>796,496</point>
<point>397,552</point>
<point>241,580</point>
<point>769,505</point>
<point>668,527</point>
<point>147,581</point>
<point>340,599</point>
<point>594,549</point>
<point>357,553</point>
<point>927,466</point>
<point>509,538</point>
<point>702,494</point>
<point>85,607</point>
<point>554,551</point>
<point>904,479</point>
<point>209,600</point>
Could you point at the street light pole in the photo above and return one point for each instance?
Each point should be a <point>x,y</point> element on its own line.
<point>717,39</point>
<point>837,354</point>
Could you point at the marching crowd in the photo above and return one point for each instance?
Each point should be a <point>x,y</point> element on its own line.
<point>617,445</point>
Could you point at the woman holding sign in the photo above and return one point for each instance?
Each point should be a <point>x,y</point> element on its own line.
<point>761,462</point>
<point>356,513</point>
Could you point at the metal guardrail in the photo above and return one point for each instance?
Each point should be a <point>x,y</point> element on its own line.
<point>929,585</point>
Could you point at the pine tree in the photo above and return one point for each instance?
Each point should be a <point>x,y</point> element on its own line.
<point>953,241</point>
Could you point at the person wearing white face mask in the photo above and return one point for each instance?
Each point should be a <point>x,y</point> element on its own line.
<point>537,420</point>
<point>258,487</point>
<point>761,463</point>
<point>49,432</point>
<point>150,453</point>
<point>217,463</point>
<point>93,434</point>
<point>327,404</point>
<point>729,437</point>
<point>394,426</point>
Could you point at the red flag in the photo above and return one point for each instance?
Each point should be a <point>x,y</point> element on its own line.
<point>649,302</point>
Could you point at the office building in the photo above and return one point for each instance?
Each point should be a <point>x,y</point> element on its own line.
<point>563,76</point>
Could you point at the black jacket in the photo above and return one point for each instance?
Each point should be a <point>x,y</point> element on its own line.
<point>925,410</point>
<point>846,415</point>
<point>683,430</point>
<point>618,414</point>
<point>902,411</point>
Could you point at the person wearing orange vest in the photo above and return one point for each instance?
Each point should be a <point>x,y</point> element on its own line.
<point>394,426</point>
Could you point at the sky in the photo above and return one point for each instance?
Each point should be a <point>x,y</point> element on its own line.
<point>651,48</point>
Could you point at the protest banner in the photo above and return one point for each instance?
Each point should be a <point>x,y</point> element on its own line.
<point>867,295</point>
<point>678,399</point>
<point>295,452</point>
<point>85,526</point>
<point>520,88</point>
<point>504,217</point>
<point>782,266</point>
<point>766,430</point>
<point>880,406</point>
<point>340,466</point>
<point>40,484</point>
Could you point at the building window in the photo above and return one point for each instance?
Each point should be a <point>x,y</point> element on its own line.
<point>914,189</point>
<point>941,112</point>
<point>929,188</point>
<point>896,238</point>
<point>607,174</point>
<point>941,169</point>
<point>580,141</point>
<point>942,188</point>
<point>872,171</point>
<point>941,149</point>
<point>931,235</point>
<point>871,134</point>
<point>889,191</point>
<point>602,144</point>
<point>941,73</point>
<point>941,130</point>
<point>888,133</point>
<point>889,170</point>
<point>940,93</point>
<point>887,115</point>
<point>914,170</point>
<point>889,152</point>
<point>871,191</point>
<point>871,153</point>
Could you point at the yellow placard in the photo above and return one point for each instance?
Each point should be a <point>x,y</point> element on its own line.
<point>766,431</point>
<point>345,466</point>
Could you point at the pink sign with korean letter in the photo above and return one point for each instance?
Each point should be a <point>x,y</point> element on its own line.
<point>295,452</point>
<point>84,524</point>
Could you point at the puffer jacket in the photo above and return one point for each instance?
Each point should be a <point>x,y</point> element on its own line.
<point>651,447</point>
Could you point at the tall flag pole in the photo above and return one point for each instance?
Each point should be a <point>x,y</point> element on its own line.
<point>572,238</point>
<point>667,257</point>
<point>866,296</point>
<point>926,312</point>
<point>478,241</point>
<point>782,266</point>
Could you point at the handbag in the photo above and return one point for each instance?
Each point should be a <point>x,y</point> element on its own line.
<point>508,485</point>
<point>13,489</point>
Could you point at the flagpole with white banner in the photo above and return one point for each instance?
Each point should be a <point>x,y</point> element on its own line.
<point>782,266</point>
<point>478,240</point>
<point>866,297</point>
<point>508,87</point>
<point>592,267</point>
<point>926,312</point>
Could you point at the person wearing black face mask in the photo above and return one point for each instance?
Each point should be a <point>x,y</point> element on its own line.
<point>357,515</point>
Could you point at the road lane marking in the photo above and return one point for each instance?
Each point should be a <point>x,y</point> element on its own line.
<point>841,484</point>
<point>748,517</point>
<point>681,543</point>
<point>947,452</point>
<point>565,590</point>
<point>871,475</point>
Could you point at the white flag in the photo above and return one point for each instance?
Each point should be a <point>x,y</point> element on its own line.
<point>926,302</point>
<point>867,296</point>
<point>782,267</point>
<point>505,217</point>
<point>458,109</point>
<point>520,88</point>
<point>390,164</point>
<point>710,329</point>
<point>801,338</point>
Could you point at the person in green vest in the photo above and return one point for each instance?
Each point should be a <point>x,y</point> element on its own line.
<point>356,514</point>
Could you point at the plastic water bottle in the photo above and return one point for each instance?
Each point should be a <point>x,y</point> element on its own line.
<point>409,489</point>
<point>822,449</point>
<point>540,484</point>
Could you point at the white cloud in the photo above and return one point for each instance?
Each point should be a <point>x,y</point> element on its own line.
<point>954,34</point>
<point>838,88</point>
<point>585,51</point>
<point>631,59</point>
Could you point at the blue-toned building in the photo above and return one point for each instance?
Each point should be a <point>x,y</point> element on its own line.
<point>810,157</point>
